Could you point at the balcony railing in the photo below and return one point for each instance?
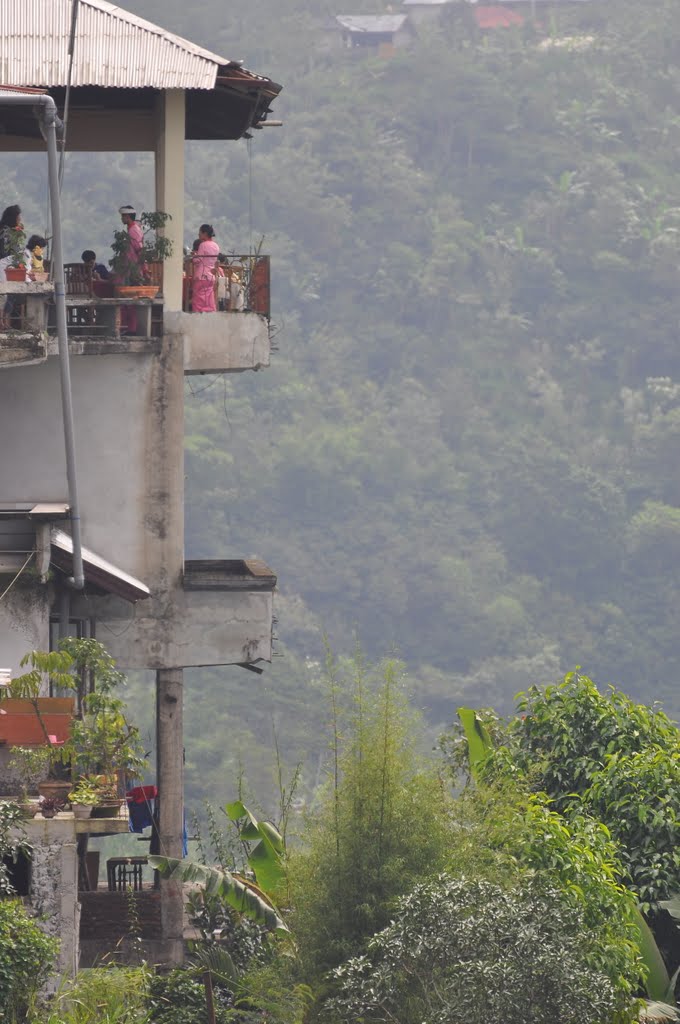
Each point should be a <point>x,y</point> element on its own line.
<point>242,285</point>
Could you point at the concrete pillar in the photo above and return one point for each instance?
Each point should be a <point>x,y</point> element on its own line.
<point>171,129</point>
<point>170,776</point>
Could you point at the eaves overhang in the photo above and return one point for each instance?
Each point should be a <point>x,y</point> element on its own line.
<point>97,570</point>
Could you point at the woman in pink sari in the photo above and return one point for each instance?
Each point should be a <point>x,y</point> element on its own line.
<point>205,263</point>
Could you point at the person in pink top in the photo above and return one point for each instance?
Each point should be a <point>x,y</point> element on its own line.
<point>135,263</point>
<point>204,267</point>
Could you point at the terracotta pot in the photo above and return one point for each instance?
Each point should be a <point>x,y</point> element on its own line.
<point>15,273</point>
<point>103,289</point>
<point>55,787</point>
<point>48,813</point>
<point>136,291</point>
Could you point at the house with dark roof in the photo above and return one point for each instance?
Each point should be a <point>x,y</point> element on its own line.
<point>377,34</point>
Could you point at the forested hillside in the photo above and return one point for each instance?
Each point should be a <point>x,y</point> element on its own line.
<point>466,447</point>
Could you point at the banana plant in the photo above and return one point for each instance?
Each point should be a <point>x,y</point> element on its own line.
<point>266,857</point>
<point>239,892</point>
<point>478,740</point>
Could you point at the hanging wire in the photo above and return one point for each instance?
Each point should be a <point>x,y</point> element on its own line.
<point>249,144</point>
<point>67,99</point>
<point>23,567</point>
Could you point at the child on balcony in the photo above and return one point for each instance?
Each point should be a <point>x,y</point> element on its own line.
<point>34,250</point>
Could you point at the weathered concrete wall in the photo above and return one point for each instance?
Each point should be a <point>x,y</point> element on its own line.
<point>221,342</point>
<point>24,622</point>
<point>191,628</point>
<point>129,423</point>
<point>129,426</point>
<point>54,884</point>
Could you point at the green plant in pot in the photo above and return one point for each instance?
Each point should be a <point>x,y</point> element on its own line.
<point>156,248</point>
<point>31,766</point>
<point>27,693</point>
<point>16,250</point>
<point>89,792</point>
<point>104,747</point>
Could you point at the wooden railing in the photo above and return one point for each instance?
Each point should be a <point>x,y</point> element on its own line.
<point>242,284</point>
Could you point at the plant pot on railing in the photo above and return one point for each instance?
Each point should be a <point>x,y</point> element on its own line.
<point>136,291</point>
<point>55,789</point>
<point>108,809</point>
<point>103,289</point>
<point>15,273</point>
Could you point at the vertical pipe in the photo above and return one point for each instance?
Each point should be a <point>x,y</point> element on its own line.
<point>49,123</point>
<point>170,775</point>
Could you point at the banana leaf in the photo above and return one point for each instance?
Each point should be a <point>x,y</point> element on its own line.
<point>266,858</point>
<point>240,893</point>
<point>659,986</point>
<point>479,742</point>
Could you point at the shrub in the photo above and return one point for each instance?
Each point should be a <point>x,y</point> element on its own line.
<point>460,949</point>
<point>27,956</point>
<point>178,997</point>
<point>105,995</point>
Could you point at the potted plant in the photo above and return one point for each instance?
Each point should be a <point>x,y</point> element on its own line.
<point>134,274</point>
<point>28,718</point>
<point>103,746</point>
<point>85,795</point>
<point>16,250</point>
<point>51,805</point>
<point>30,765</point>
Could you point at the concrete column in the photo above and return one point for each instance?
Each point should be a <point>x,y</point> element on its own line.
<point>170,186</point>
<point>170,775</point>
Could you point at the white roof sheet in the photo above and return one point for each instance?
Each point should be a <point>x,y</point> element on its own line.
<point>371,23</point>
<point>426,3</point>
<point>113,48</point>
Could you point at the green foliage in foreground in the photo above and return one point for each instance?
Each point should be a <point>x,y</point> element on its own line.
<point>109,995</point>
<point>469,950</point>
<point>27,957</point>
<point>382,823</point>
<point>602,754</point>
<point>499,833</point>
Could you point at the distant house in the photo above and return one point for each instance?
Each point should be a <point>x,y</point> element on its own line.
<point>509,13</point>
<point>381,34</point>
<point>490,16</point>
<point>423,11</point>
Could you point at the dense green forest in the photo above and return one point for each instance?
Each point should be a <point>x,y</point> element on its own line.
<point>464,451</point>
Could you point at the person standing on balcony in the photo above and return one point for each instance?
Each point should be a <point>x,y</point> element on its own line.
<point>205,267</point>
<point>11,226</point>
<point>135,261</point>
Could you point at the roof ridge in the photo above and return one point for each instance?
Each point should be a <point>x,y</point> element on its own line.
<point>115,10</point>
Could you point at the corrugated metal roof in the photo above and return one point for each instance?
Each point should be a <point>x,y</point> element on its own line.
<point>384,23</point>
<point>427,3</point>
<point>114,48</point>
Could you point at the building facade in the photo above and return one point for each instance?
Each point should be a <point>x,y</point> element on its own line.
<point>133,87</point>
